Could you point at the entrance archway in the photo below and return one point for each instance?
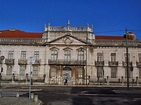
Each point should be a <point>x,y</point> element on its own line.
<point>67,74</point>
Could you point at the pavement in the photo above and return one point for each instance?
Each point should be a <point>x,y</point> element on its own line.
<point>17,101</point>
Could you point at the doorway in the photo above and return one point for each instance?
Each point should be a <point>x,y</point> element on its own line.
<point>66,75</point>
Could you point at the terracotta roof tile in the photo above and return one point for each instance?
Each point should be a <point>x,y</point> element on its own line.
<point>12,33</point>
<point>110,37</point>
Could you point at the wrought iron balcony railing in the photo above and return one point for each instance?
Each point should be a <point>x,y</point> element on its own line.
<point>37,62</point>
<point>99,63</point>
<point>125,64</point>
<point>9,61</point>
<point>64,62</point>
<point>22,61</point>
<point>113,63</point>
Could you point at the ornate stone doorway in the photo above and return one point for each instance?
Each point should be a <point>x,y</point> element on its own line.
<point>67,74</point>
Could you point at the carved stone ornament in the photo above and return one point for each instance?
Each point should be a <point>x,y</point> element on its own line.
<point>67,40</point>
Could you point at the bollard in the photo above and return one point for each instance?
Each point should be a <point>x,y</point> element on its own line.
<point>17,95</point>
<point>36,98</point>
<point>32,96</point>
<point>0,94</point>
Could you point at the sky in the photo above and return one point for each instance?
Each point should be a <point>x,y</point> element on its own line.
<point>108,17</point>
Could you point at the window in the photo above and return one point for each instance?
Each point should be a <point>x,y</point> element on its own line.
<point>36,54</point>
<point>113,57</point>
<point>35,70</point>
<point>53,72</point>
<point>80,72</point>
<point>10,54</point>
<point>129,72</point>
<point>113,72</point>
<point>99,56</point>
<point>54,55</point>
<point>9,70</point>
<point>81,55</point>
<point>100,72</point>
<point>67,55</point>
<point>23,55</point>
<point>22,70</point>
<point>126,57</point>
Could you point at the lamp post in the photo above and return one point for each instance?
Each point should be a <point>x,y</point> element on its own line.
<point>31,61</point>
<point>127,63</point>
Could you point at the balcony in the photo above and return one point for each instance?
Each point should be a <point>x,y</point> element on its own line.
<point>113,63</point>
<point>37,62</point>
<point>22,61</point>
<point>138,64</point>
<point>64,62</point>
<point>99,63</point>
<point>9,61</point>
<point>125,64</point>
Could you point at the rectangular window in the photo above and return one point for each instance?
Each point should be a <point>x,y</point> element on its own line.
<point>129,72</point>
<point>99,56</point>
<point>67,55</point>
<point>10,54</point>
<point>9,70</point>
<point>53,72</point>
<point>100,72</point>
<point>35,70</point>
<point>22,70</point>
<point>80,72</point>
<point>36,54</point>
<point>23,55</point>
<point>113,72</point>
<point>125,55</point>
<point>54,55</point>
<point>113,57</point>
<point>80,55</point>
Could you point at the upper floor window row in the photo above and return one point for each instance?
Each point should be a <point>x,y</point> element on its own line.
<point>67,54</point>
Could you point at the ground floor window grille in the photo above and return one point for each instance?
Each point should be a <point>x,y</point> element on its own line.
<point>80,72</point>
<point>129,73</point>
<point>22,70</point>
<point>9,70</point>
<point>113,72</point>
<point>100,72</point>
<point>35,70</point>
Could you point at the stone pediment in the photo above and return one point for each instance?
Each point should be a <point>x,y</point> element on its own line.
<point>67,40</point>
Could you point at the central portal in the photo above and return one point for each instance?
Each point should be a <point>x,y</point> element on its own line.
<point>67,74</point>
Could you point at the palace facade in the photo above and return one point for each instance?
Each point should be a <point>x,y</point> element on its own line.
<point>74,55</point>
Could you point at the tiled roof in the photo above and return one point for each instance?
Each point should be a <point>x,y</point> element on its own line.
<point>110,37</point>
<point>12,33</point>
